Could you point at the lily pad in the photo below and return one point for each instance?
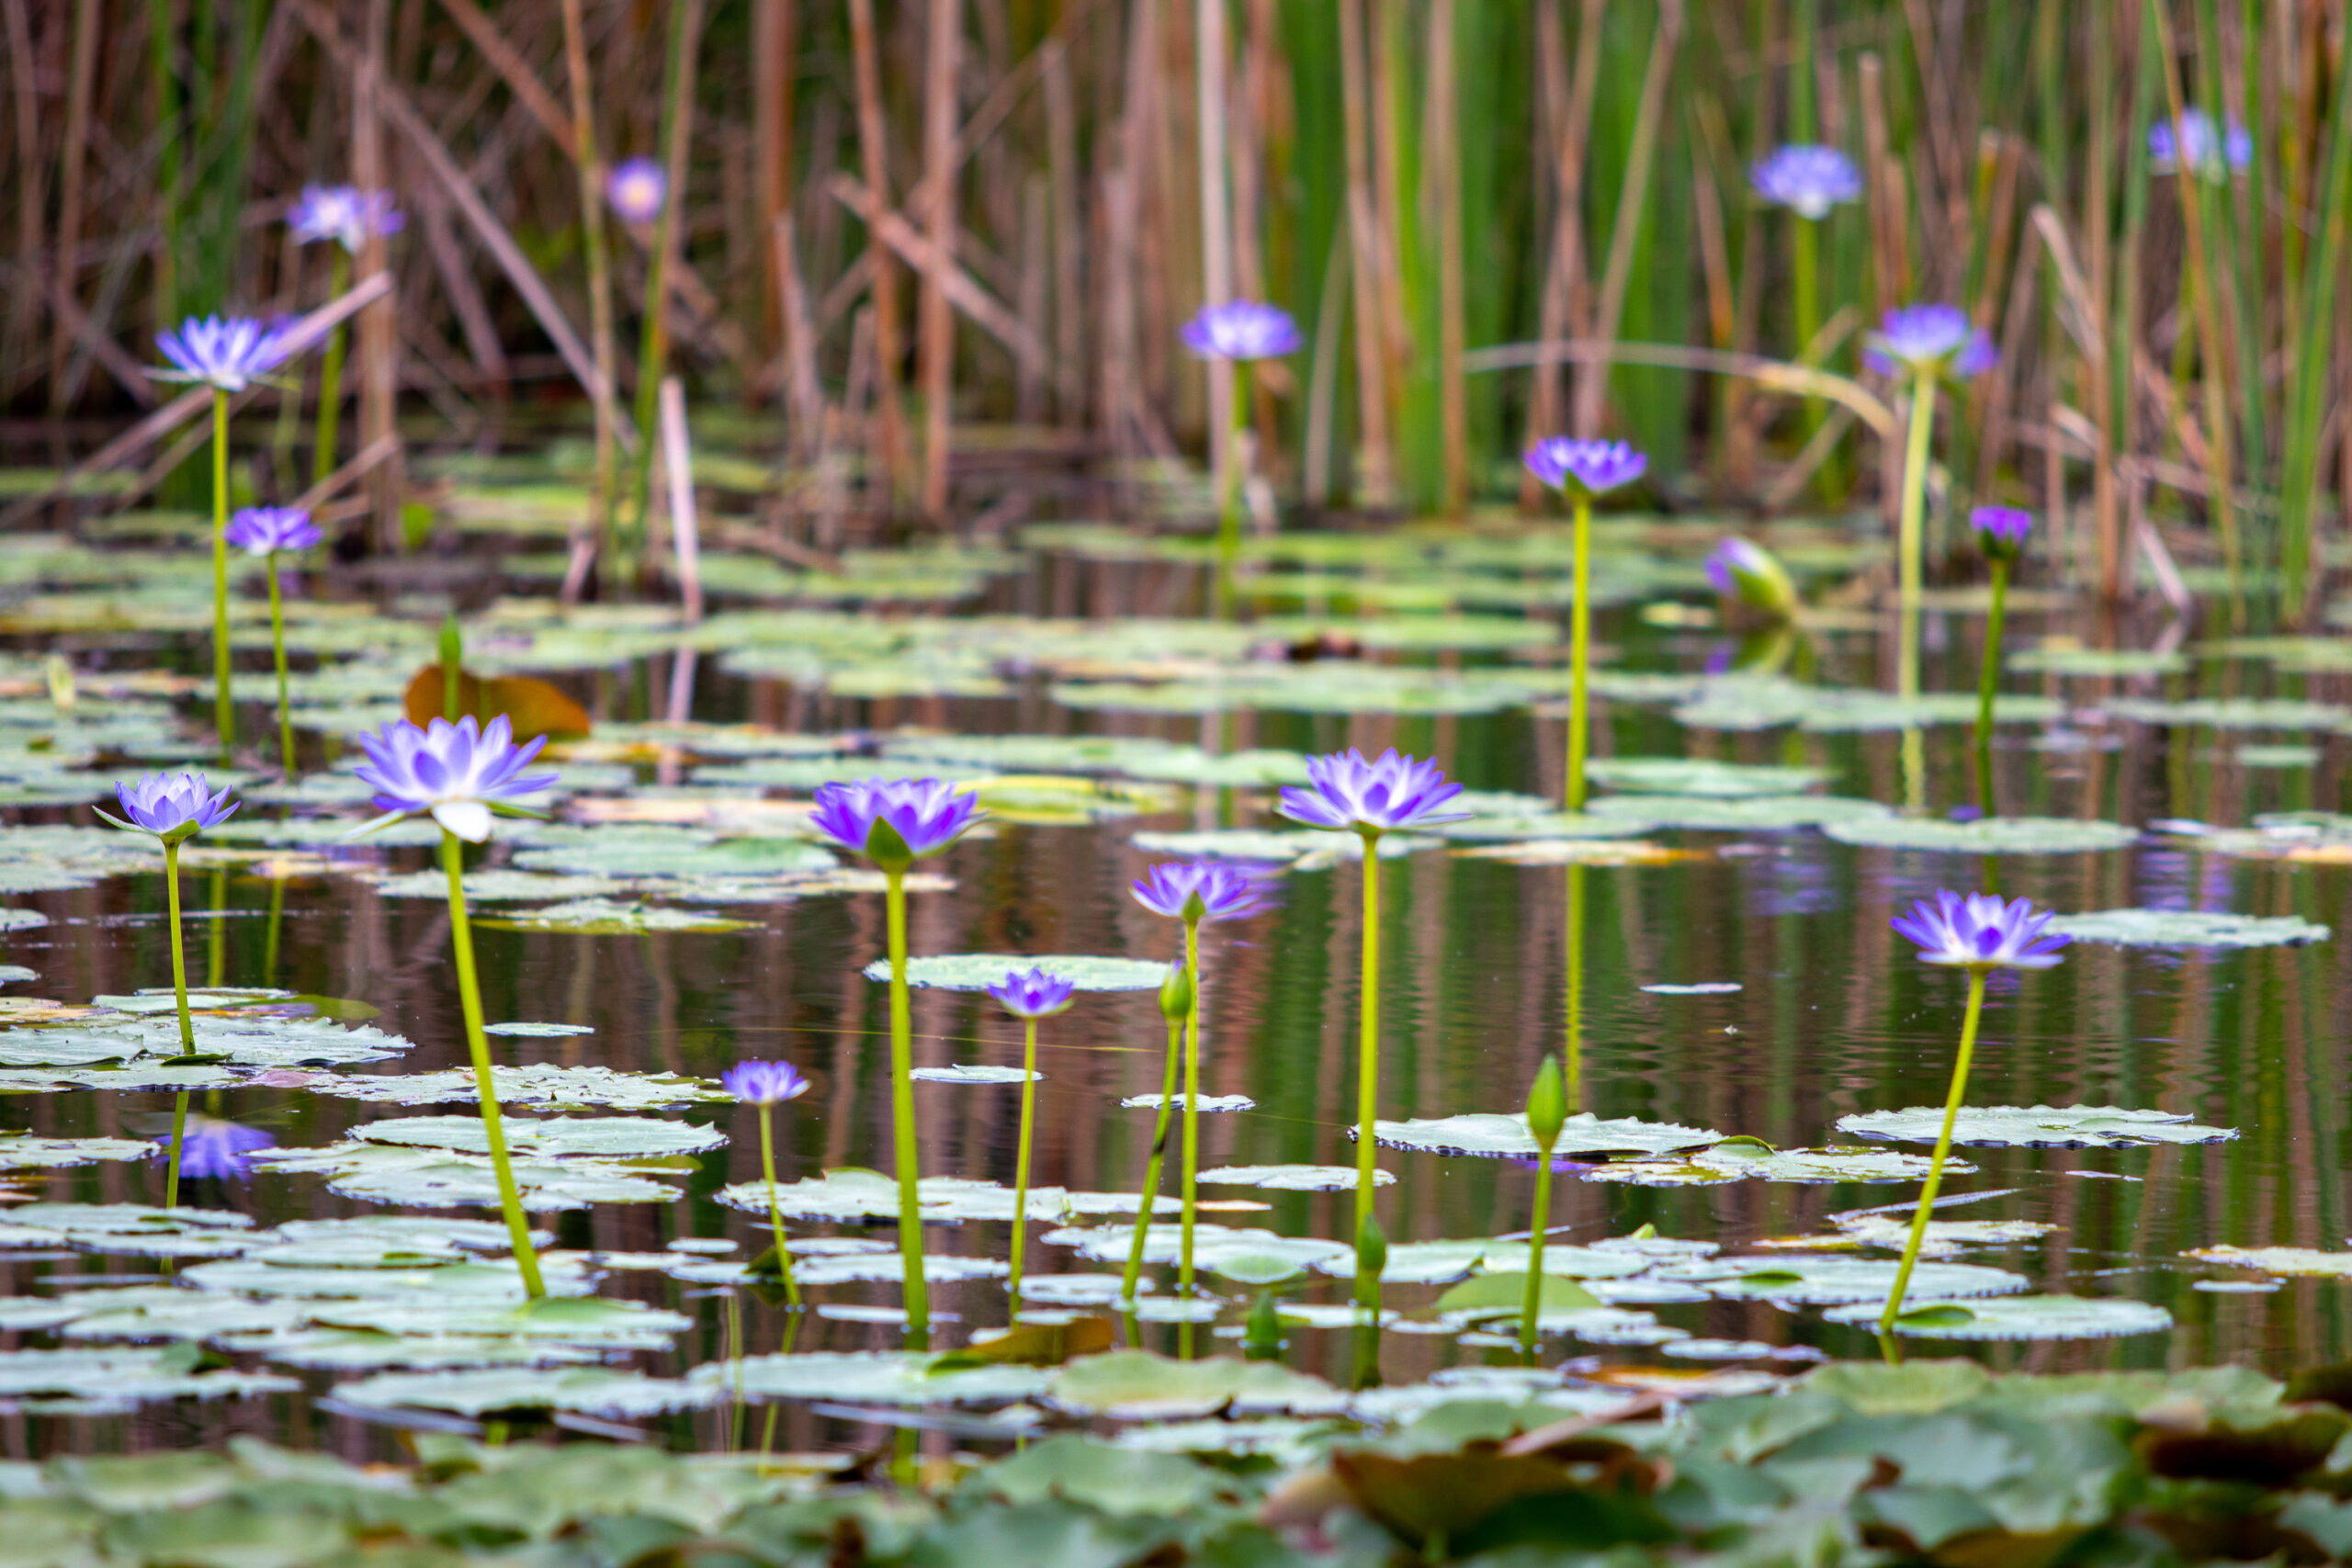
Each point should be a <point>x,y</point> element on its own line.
<point>1697,988</point>
<point>1505,1135</point>
<point>854,1194</point>
<point>959,1073</point>
<point>1207,1102</point>
<point>1748,1161</point>
<point>1830,1281</point>
<point>440,1179</point>
<point>89,1381</point>
<point>2231,713</point>
<point>2019,1317</point>
<point>588,1390</point>
<point>1136,1385</point>
<point>1293,1177</point>
<point>2277,1259</point>
<point>874,1377</point>
<point>608,1137</point>
<point>1987,836</point>
<point>537,1031</point>
<point>2118,663</point>
<point>539,1085</point>
<point>497,886</point>
<point>2035,1127</point>
<point>27,1151</point>
<point>978,971</point>
<point>2189,927</point>
<point>1739,814</point>
<point>1699,776</point>
<point>603,917</point>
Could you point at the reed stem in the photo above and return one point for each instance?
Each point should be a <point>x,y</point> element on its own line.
<point>902,1114</point>
<point>461,943</point>
<point>1943,1151</point>
<point>330,412</point>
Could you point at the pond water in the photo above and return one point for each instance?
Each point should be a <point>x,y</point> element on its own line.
<point>1832,1015</point>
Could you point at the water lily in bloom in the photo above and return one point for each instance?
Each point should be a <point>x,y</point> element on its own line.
<point>763,1083</point>
<point>1808,180</point>
<point>2001,530</point>
<point>266,530</point>
<point>1198,890</point>
<point>1034,995</point>
<point>1980,932</point>
<point>227,354</point>
<point>1585,468</point>
<point>637,187</point>
<point>2210,156</point>
<point>211,1146</point>
<point>173,807</point>
<point>1391,793</point>
<point>1929,340</point>
<point>457,773</point>
<point>895,820</point>
<point>1748,572</point>
<point>344,214</point>
<point>1243,329</point>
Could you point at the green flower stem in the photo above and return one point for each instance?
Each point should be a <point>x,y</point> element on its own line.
<point>902,1116</point>
<point>1909,545</point>
<point>1580,657</point>
<point>461,942</point>
<point>1805,270</point>
<point>1368,1044</point>
<point>1192,1103</point>
<point>179,954</point>
<point>331,376</point>
<point>278,646</point>
<point>1151,1167</point>
<point>1542,1214</point>
<point>1230,489</point>
<point>224,703</point>
<point>1943,1149</point>
<point>776,1210</point>
<point>1574,1000</point>
<point>179,1134</point>
<point>1988,678</point>
<point>1020,1160</point>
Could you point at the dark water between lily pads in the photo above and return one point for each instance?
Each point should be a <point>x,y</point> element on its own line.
<point>1832,1017</point>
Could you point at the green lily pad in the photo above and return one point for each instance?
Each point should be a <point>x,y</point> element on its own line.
<point>434,1177</point>
<point>130,1229</point>
<point>2035,1127</point>
<point>1293,1177</point>
<point>1892,1231</point>
<point>1235,770</point>
<point>21,919</point>
<point>244,1039</point>
<point>1831,1282</point>
<point>500,886</point>
<point>1987,836</point>
<point>2298,1260</point>
<point>27,1151</point>
<point>2117,663</point>
<point>1505,1135</point>
<point>608,1137</point>
<point>90,1382</point>
<point>978,971</point>
<point>854,1194</point>
<point>2019,1318</point>
<point>1739,814</point>
<point>1699,776</point>
<point>2188,928</point>
<point>1136,1385</point>
<point>686,855</point>
<point>1505,1294</point>
<point>589,1391</point>
<point>537,1031</point>
<point>603,917</point>
<point>1299,849</point>
<point>873,1377</point>
<point>2276,756</point>
<point>2231,713</point>
<point>371,1351</point>
<point>540,1086</point>
<point>1749,1161</point>
<point>493,1286</point>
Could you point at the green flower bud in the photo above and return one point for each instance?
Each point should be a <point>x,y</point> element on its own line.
<point>1176,994</point>
<point>1548,1105</point>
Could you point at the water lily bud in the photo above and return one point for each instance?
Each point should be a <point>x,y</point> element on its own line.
<point>1747,572</point>
<point>1176,994</point>
<point>1262,1337</point>
<point>1372,1248</point>
<point>1548,1105</point>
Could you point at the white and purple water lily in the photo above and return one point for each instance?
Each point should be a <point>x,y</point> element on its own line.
<point>344,214</point>
<point>2210,156</point>
<point>1980,932</point>
<point>214,1146</point>
<point>895,820</point>
<point>1808,180</point>
<point>268,530</point>
<point>1034,995</point>
<point>763,1083</point>
<point>1243,329</point>
<point>173,807</point>
<point>1748,572</point>
<point>1198,890</point>
<point>227,354</point>
<point>637,187</point>
<point>456,774</point>
<point>1929,340</point>
<point>1347,792</point>
<point>1586,469</point>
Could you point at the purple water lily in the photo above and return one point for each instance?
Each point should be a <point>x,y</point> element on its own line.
<point>1929,340</point>
<point>266,530</point>
<point>210,1146</point>
<point>1393,792</point>
<point>1243,329</point>
<point>2210,156</point>
<point>1198,890</point>
<point>637,187</point>
<point>1982,932</point>
<point>173,807</point>
<point>344,214</point>
<point>456,772</point>
<point>1586,467</point>
<point>895,820</point>
<point>2002,529</point>
<point>225,353</point>
<point>1808,180</point>
<point>763,1083</point>
<point>1749,573</point>
<point>1034,995</point>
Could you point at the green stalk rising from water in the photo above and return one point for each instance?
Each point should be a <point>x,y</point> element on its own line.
<point>1368,1040</point>
<point>224,702</point>
<point>1547,1112</point>
<point>1192,1112</point>
<point>1175,1006</point>
<point>1579,659</point>
<point>776,1209</point>
<point>331,375</point>
<point>902,1113</point>
<point>1943,1151</point>
<point>461,942</point>
<point>1020,1160</point>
